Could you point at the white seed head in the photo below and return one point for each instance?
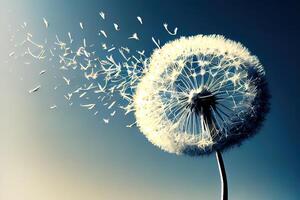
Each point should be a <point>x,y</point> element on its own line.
<point>197,94</point>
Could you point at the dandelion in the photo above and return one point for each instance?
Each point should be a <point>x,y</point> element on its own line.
<point>193,96</point>
<point>200,95</point>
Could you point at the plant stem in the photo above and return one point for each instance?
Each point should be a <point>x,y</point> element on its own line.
<point>222,175</point>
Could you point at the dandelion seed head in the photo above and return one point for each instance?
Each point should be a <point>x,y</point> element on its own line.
<point>201,94</point>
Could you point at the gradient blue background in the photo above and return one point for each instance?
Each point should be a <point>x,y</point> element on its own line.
<point>71,154</point>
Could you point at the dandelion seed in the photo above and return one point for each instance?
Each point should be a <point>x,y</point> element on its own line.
<point>166,27</point>
<point>46,23</point>
<point>70,37</point>
<point>113,113</point>
<point>134,36</point>
<point>82,94</point>
<point>103,33</point>
<point>86,54</point>
<point>66,80</point>
<point>43,72</point>
<point>157,43</point>
<point>88,106</point>
<point>130,125</point>
<point>84,42</point>
<point>100,90</point>
<point>51,52</point>
<point>11,54</point>
<point>78,90</point>
<point>111,105</point>
<point>35,89</point>
<point>53,107</point>
<point>111,49</point>
<point>106,121</point>
<point>116,26</point>
<point>68,96</point>
<point>125,49</point>
<point>81,25</point>
<point>91,86</point>
<point>139,19</point>
<point>123,55</point>
<point>104,46</point>
<point>102,14</point>
<point>142,53</point>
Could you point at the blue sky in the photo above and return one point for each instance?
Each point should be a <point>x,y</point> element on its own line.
<point>71,154</point>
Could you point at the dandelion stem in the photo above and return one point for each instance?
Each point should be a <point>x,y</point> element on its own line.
<point>222,175</point>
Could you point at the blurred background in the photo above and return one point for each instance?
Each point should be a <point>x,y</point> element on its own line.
<point>70,154</point>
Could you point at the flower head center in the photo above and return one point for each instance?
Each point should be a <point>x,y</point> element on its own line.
<point>203,102</point>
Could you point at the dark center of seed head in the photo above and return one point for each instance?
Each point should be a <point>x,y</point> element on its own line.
<point>203,102</point>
